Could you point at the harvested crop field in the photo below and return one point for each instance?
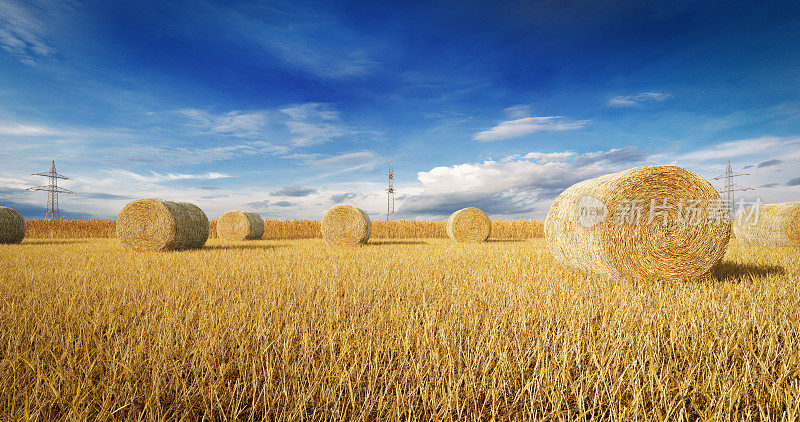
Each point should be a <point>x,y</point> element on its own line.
<point>398,329</point>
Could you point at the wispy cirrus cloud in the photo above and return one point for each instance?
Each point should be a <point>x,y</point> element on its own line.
<point>154,177</point>
<point>351,160</point>
<point>18,129</point>
<point>236,123</point>
<point>313,123</point>
<point>637,99</point>
<point>527,125</point>
<point>740,148</point>
<point>301,125</point>
<point>22,34</point>
<point>324,63</point>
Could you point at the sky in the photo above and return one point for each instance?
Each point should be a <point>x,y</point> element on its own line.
<point>289,108</point>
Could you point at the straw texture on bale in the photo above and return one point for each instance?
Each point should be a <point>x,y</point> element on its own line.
<point>773,225</point>
<point>346,225</point>
<point>673,245</point>
<point>159,225</point>
<point>240,225</point>
<point>12,226</point>
<point>469,225</point>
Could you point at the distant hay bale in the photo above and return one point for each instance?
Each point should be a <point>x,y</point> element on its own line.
<point>158,225</point>
<point>346,225</point>
<point>469,225</point>
<point>240,225</point>
<point>769,225</point>
<point>12,226</point>
<point>681,232</point>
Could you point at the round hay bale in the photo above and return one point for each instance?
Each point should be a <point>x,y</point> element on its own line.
<point>158,225</point>
<point>240,225</point>
<point>12,226</point>
<point>469,225</point>
<point>769,225</point>
<point>346,225</point>
<point>651,222</point>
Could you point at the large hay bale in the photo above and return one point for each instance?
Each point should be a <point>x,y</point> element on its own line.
<point>469,225</point>
<point>12,226</point>
<point>240,225</point>
<point>769,225</point>
<point>346,225</point>
<point>592,226</point>
<point>158,225</point>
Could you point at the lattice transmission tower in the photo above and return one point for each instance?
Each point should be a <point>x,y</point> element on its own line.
<point>390,192</point>
<point>52,190</point>
<point>729,188</point>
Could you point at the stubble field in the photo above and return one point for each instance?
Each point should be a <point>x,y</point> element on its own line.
<point>398,329</point>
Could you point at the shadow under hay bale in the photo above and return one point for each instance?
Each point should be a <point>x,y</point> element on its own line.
<point>159,225</point>
<point>12,226</point>
<point>346,225</point>
<point>55,241</point>
<point>769,225</point>
<point>397,242</point>
<point>240,225</point>
<point>469,225</point>
<point>605,225</point>
<point>730,271</point>
<point>245,246</point>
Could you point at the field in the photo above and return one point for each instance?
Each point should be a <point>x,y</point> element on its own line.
<point>398,329</point>
<point>290,229</point>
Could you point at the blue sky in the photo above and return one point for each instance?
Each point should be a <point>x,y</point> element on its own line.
<point>288,108</point>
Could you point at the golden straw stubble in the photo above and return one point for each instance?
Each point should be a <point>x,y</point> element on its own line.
<point>12,226</point>
<point>346,225</point>
<point>160,225</point>
<point>769,225</point>
<point>469,225</point>
<point>240,225</point>
<point>593,225</point>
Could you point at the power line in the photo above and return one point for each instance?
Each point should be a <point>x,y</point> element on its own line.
<point>52,190</point>
<point>730,188</point>
<point>390,192</point>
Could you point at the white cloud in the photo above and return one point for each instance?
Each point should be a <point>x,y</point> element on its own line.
<point>549,156</point>
<point>22,34</point>
<point>517,185</point>
<point>307,124</point>
<point>340,56</point>
<point>16,129</point>
<point>358,159</point>
<point>154,177</point>
<point>236,123</point>
<point>740,148</point>
<point>527,125</point>
<point>638,99</point>
<point>310,110</point>
<point>518,111</point>
<point>313,123</point>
